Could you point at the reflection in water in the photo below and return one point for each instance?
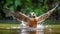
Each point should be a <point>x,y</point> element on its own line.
<point>27,31</point>
<point>30,30</point>
<point>44,30</point>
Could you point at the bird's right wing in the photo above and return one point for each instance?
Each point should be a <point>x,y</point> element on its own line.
<point>21,16</point>
<point>18,15</point>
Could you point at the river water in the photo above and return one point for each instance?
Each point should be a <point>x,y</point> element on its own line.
<point>40,30</point>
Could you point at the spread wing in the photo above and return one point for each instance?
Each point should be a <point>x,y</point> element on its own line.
<point>17,15</point>
<point>46,15</point>
<point>21,16</point>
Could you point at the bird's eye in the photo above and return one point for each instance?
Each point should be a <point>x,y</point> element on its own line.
<point>33,14</point>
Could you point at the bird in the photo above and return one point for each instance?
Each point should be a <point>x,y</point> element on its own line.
<point>31,20</point>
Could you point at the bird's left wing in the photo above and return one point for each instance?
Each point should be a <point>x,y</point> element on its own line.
<point>46,15</point>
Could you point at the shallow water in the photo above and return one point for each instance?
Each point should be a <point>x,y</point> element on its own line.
<point>40,30</point>
<point>18,31</point>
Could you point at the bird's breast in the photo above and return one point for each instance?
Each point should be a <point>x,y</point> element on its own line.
<point>32,23</point>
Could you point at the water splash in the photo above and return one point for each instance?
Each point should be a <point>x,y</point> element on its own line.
<point>40,28</point>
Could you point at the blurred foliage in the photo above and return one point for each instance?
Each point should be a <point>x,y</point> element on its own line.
<point>27,6</point>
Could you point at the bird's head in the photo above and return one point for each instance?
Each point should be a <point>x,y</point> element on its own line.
<point>32,15</point>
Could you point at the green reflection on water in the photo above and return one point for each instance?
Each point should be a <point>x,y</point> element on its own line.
<point>15,31</point>
<point>55,30</point>
<point>3,31</point>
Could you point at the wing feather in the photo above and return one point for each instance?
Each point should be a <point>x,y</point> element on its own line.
<point>46,15</point>
<point>21,16</point>
<point>18,15</point>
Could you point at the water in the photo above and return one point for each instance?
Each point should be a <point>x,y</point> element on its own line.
<point>31,31</point>
<point>39,30</point>
<point>46,30</point>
